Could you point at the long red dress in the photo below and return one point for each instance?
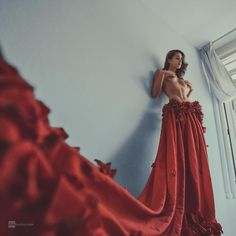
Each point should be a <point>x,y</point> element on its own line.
<point>179,187</point>
<point>48,188</point>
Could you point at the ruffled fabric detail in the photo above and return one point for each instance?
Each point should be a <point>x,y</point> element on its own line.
<point>201,227</point>
<point>105,168</point>
<point>184,108</point>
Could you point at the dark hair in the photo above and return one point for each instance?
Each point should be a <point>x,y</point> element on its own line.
<point>181,71</point>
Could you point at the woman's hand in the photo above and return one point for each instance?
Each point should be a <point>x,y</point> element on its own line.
<point>189,85</point>
<point>168,73</point>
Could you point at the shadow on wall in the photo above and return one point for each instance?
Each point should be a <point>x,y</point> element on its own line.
<point>134,158</point>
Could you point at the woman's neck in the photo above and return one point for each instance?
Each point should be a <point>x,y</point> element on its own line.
<point>172,69</point>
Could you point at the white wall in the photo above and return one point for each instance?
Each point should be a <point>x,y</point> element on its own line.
<point>92,62</point>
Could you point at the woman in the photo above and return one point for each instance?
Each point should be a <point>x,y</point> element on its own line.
<point>170,79</point>
<point>49,188</point>
<point>179,185</point>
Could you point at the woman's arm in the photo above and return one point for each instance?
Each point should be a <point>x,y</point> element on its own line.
<point>157,83</point>
<point>189,85</point>
<point>189,92</point>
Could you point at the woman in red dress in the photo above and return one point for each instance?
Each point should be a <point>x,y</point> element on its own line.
<point>179,186</point>
<point>48,188</point>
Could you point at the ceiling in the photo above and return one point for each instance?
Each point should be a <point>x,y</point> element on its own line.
<point>198,21</point>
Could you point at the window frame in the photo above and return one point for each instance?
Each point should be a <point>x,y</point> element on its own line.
<point>226,132</point>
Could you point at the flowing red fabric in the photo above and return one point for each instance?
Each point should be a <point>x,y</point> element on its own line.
<point>179,187</point>
<point>48,188</point>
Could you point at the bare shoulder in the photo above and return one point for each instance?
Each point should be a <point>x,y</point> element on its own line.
<point>157,73</point>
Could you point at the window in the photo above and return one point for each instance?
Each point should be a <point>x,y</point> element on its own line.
<point>225,116</point>
<point>230,109</point>
<point>230,65</point>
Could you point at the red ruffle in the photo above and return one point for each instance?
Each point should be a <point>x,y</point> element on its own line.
<point>181,108</point>
<point>201,226</point>
<point>106,168</point>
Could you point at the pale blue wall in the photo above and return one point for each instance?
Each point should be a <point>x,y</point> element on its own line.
<point>91,62</point>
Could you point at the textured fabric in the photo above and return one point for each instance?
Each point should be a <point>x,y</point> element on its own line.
<point>49,188</point>
<point>179,187</point>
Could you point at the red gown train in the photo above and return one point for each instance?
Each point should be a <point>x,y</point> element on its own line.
<point>48,188</point>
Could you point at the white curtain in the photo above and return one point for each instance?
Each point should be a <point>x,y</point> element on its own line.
<point>218,78</point>
<point>222,87</point>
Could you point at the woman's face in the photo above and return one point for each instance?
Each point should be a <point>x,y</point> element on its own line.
<point>176,60</point>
